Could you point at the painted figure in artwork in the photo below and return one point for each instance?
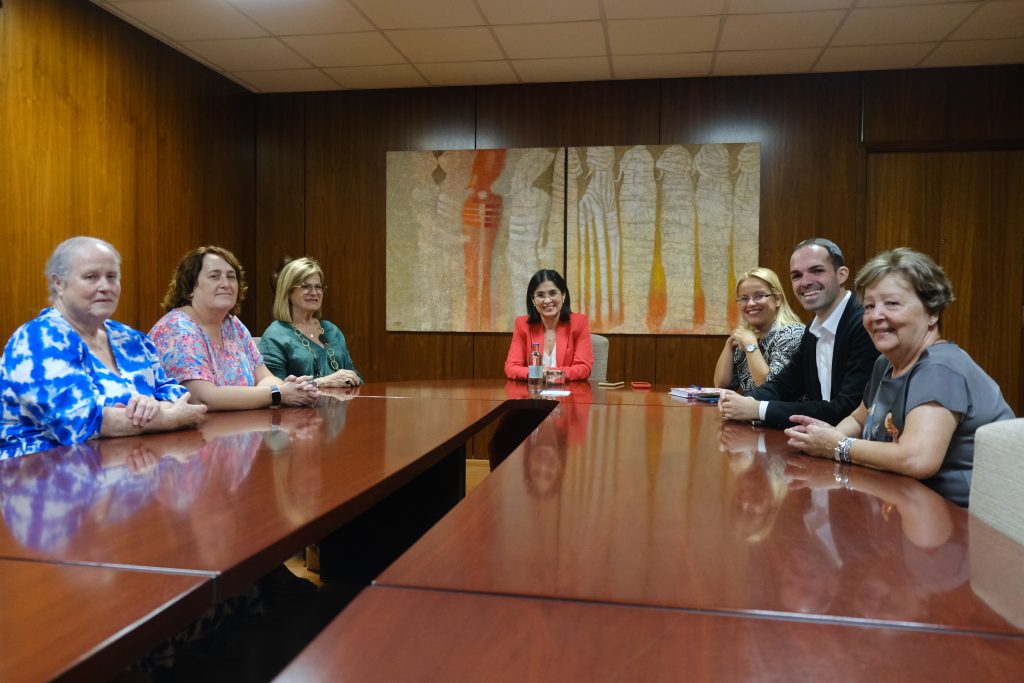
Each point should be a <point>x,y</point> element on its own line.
<point>481,217</point>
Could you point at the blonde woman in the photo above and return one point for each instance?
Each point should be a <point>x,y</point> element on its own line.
<point>299,341</point>
<point>768,337</point>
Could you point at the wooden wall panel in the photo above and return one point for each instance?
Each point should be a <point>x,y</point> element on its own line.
<point>811,168</point>
<point>105,131</point>
<point>945,108</point>
<point>347,137</point>
<point>965,210</point>
<point>280,195</point>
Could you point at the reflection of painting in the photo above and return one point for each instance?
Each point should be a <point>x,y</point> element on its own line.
<point>650,238</point>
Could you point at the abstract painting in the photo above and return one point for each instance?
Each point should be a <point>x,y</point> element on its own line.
<point>651,239</point>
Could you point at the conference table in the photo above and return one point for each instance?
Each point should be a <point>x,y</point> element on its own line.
<point>631,534</point>
<point>634,536</point>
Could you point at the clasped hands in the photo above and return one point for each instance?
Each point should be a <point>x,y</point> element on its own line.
<point>741,337</point>
<point>813,437</point>
<point>141,410</point>
<point>299,391</point>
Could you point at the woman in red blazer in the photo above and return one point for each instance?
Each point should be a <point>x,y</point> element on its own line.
<point>564,337</point>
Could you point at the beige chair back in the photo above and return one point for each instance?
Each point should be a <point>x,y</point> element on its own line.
<point>599,372</point>
<point>997,483</point>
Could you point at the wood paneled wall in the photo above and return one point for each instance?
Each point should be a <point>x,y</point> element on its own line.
<point>818,135</point>
<point>105,131</point>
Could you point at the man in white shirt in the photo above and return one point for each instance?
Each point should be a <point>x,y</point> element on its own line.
<point>825,379</point>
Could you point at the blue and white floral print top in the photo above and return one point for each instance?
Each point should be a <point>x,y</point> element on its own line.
<point>53,389</point>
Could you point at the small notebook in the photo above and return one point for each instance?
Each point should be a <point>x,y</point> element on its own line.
<point>611,385</point>
<point>695,392</point>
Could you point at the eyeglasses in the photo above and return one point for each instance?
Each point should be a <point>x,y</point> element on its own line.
<point>550,294</point>
<point>758,298</point>
<point>307,288</point>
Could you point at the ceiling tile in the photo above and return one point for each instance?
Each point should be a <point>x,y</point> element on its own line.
<point>765,62</point>
<point>345,49</point>
<point>651,9</point>
<point>372,77</point>
<point>901,24</point>
<point>766,6</point>
<point>392,14</point>
<point>994,20</point>
<point>303,16</point>
<point>873,57</point>
<point>662,66</point>
<point>446,44</point>
<point>191,19</point>
<point>779,31</point>
<point>469,73</point>
<point>975,52</point>
<point>556,70</point>
<point>538,41</point>
<point>291,80</point>
<point>657,36</point>
<point>539,11</point>
<point>247,54</point>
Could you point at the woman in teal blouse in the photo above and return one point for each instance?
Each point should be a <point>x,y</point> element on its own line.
<point>298,342</point>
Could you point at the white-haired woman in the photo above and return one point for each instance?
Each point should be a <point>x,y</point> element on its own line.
<point>73,374</point>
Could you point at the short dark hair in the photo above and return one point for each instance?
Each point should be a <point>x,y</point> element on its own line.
<point>532,315</point>
<point>186,275</point>
<point>835,254</point>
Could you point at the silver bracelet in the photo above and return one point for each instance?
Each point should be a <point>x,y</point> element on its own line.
<point>841,453</point>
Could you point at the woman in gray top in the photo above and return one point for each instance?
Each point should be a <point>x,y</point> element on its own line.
<point>926,397</point>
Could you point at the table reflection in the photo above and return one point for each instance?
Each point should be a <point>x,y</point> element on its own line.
<point>47,497</point>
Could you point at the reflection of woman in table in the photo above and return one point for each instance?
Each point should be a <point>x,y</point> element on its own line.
<point>901,525</point>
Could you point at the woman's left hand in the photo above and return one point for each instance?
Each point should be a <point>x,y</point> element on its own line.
<point>341,378</point>
<point>813,437</point>
<point>141,409</point>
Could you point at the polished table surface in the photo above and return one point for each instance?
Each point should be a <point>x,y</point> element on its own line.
<point>234,498</point>
<point>396,634</point>
<point>41,639</point>
<point>673,508</point>
<point>502,390</point>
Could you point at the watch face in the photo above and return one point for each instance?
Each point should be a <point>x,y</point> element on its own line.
<point>751,347</point>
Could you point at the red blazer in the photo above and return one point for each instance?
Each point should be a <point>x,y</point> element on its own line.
<point>572,344</point>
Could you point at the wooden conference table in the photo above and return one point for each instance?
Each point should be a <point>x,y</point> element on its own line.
<point>626,515</point>
<point>192,517</point>
<point>635,537</point>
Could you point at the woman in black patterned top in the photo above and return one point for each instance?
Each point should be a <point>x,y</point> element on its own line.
<point>768,337</point>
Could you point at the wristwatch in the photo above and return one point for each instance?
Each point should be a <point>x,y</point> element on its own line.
<point>275,395</point>
<point>750,348</point>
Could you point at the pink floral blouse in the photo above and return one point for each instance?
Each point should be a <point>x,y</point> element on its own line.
<point>187,353</point>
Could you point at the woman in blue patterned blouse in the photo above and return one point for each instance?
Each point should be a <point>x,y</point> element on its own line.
<point>72,374</point>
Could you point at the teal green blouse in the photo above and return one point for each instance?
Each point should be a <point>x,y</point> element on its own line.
<point>285,354</point>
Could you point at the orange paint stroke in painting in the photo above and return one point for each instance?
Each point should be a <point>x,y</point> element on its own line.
<point>657,298</point>
<point>698,293</point>
<point>481,217</point>
<point>730,301</point>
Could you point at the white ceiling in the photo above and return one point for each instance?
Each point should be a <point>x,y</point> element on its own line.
<point>310,45</point>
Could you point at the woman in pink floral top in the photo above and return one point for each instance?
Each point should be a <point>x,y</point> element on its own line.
<point>205,347</point>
